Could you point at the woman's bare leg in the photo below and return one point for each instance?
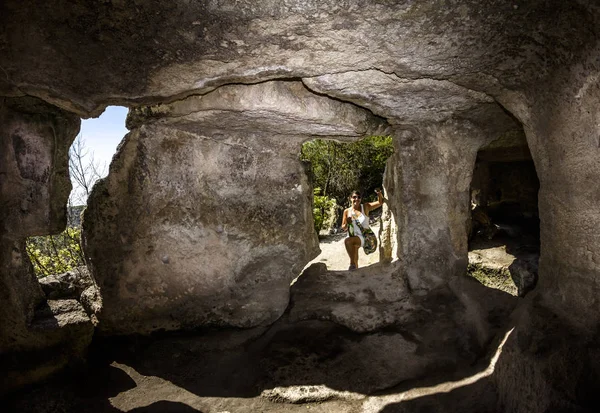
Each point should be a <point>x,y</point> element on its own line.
<point>356,248</point>
<point>349,248</point>
<point>352,245</point>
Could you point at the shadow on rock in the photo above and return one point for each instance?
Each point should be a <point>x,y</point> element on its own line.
<point>413,339</point>
<point>87,391</point>
<point>165,407</point>
<point>318,351</point>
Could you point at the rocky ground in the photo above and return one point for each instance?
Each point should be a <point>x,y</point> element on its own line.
<point>350,341</point>
<point>506,262</point>
<point>509,264</point>
<point>302,367</point>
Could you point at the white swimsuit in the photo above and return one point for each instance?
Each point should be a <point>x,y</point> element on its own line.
<point>364,222</point>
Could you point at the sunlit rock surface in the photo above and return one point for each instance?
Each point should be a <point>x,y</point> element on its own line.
<point>205,217</point>
<point>213,181</point>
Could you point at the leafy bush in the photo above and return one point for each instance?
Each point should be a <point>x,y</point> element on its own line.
<point>55,254</point>
<point>322,209</point>
<point>339,168</point>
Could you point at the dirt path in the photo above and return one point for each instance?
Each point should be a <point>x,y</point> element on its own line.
<point>333,252</point>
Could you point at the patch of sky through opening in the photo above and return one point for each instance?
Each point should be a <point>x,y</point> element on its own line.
<point>93,149</point>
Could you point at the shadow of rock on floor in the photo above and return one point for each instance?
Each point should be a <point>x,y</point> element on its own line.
<point>82,391</point>
<point>165,407</point>
<point>318,354</point>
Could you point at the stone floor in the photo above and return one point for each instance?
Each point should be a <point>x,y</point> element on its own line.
<point>437,354</point>
<point>351,341</point>
<point>507,263</point>
<point>290,372</point>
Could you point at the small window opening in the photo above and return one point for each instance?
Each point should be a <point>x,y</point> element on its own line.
<point>504,235</point>
<point>89,158</point>
<point>337,169</point>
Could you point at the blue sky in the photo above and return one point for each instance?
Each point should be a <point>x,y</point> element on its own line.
<point>103,134</point>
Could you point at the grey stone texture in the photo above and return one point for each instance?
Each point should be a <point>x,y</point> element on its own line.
<point>205,215</point>
<point>70,284</point>
<point>556,338</point>
<point>158,50</point>
<point>35,140</point>
<point>34,186</point>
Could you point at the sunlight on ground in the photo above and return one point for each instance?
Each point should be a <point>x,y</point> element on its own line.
<point>151,389</point>
<point>333,253</point>
<point>377,403</point>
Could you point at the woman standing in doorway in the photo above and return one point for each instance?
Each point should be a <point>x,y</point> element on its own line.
<point>355,220</point>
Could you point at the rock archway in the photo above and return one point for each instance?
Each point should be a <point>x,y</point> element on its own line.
<point>225,222</point>
<point>246,83</point>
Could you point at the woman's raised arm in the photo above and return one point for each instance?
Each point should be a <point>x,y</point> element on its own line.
<point>374,205</point>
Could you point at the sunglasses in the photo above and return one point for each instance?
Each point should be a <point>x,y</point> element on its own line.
<point>355,197</point>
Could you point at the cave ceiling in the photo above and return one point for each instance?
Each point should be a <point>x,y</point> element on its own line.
<point>413,60</point>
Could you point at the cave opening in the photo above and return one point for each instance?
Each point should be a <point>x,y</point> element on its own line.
<point>336,169</point>
<point>504,233</point>
<point>61,255</point>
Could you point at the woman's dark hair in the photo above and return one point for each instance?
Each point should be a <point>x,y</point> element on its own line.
<point>354,193</point>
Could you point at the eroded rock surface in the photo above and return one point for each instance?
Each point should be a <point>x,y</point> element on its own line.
<point>200,223</point>
<point>36,337</point>
<point>178,198</point>
<point>363,301</point>
<point>162,50</point>
<point>35,141</point>
<point>304,361</point>
<point>67,285</point>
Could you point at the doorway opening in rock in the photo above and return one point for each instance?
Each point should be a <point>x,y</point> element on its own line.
<point>335,170</point>
<point>58,260</point>
<point>504,235</point>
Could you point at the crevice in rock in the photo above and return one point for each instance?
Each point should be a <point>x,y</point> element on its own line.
<point>147,110</point>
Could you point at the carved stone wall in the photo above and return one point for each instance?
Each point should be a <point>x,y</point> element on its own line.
<point>430,200</point>
<point>209,172</point>
<point>34,186</point>
<point>551,361</point>
<point>205,217</point>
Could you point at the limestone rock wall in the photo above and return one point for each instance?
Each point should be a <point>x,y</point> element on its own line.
<point>151,50</point>
<point>434,71</point>
<point>430,200</point>
<point>438,127</point>
<point>34,186</point>
<point>551,362</point>
<point>34,169</point>
<point>205,217</point>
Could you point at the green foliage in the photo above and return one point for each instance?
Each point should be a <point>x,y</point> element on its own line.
<point>322,209</point>
<point>339,168</point>
<point>55,254</point>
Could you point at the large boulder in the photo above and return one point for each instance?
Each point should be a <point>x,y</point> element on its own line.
<point>205,217</point>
